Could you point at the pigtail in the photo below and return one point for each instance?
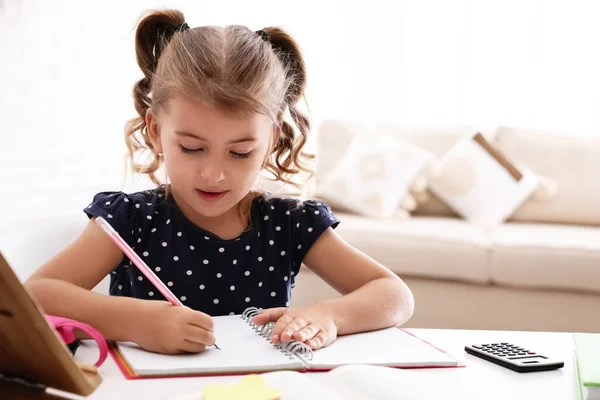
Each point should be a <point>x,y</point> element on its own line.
<point>153,34</point>
<point>288,154</point>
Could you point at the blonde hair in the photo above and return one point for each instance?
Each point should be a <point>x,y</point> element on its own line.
<point>233,68</point>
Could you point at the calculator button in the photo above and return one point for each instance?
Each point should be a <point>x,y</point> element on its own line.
<point>504,343</point>
<point>530,352</point>
<point>512,354</point>
<point>502,355</point>
<point>522,354</point>
<point>478,347</point>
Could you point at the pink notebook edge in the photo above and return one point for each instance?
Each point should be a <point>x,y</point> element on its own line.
<point>459,363</point>
<point>123,365</point>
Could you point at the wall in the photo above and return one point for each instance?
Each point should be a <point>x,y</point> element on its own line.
<point>67,68</point>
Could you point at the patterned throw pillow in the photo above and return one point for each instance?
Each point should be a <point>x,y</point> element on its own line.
<point>479,182</point>
<point>373,175</point>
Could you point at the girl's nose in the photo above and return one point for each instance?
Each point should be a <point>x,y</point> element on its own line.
<point>212,172</point>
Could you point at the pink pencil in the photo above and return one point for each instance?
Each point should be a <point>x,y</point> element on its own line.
<point>142,266</point>
<point>132,255</point>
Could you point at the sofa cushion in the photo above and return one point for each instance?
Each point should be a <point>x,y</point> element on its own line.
<point>481,183</point>
<point>546,256</point>
<point>572,162</point>
<point>426,246</point>
<point>374,175</point>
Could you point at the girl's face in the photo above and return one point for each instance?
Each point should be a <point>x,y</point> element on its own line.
<point>212,159</point>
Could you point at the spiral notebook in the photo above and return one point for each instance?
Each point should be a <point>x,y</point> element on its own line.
<point>245,348</point>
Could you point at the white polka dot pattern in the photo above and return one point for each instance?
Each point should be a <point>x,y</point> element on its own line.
<point>212,275</point>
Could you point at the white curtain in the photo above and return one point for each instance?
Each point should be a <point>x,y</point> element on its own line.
<point>67,68</point>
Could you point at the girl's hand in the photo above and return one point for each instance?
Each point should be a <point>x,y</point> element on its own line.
<point>161,327</point>
<point>311,325</point>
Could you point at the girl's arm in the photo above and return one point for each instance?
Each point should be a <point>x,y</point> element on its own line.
<point>373,297</point>
<point>63,287</point>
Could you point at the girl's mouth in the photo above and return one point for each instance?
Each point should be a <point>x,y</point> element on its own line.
<point>210,197</point>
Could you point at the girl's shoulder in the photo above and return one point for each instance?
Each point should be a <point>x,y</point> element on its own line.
<point>301,221</point>
<point>148,197</point>
<point>127,212</point>
<point>295,211</point>
<point>292,204</point>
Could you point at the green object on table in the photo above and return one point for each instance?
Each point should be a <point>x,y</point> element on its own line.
<point>587,367</point>
<point>587,346</point>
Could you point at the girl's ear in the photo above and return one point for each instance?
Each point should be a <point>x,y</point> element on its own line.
<point>153,131</point>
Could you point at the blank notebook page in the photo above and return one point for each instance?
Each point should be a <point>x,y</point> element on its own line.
<point>242,350</point>
<point>388,347</point>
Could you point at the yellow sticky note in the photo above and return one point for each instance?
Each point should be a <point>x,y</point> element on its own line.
<point>252,387</point>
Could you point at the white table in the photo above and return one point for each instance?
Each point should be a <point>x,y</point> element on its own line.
<point>482,379</point>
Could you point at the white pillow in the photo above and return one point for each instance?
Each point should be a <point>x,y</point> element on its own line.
<point>373,175</point>
<point>480,183</point>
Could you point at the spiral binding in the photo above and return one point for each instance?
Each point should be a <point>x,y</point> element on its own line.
<point>291,349</point>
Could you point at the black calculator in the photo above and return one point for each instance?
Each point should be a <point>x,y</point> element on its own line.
<point>520,359</point>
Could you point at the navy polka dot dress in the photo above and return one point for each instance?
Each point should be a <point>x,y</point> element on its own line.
<point>209,274</point>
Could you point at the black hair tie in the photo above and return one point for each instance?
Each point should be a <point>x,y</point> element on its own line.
<point>263,35</point>
<point>184,27</point>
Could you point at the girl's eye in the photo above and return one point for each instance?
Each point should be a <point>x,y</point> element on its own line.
<point>190,151</point>
<point>241,155</point>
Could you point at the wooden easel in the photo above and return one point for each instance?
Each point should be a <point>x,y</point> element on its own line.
<point>31,349</point>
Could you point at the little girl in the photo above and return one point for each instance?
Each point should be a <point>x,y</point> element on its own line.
<point>211,110</point>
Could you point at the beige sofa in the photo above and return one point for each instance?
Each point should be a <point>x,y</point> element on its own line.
<point>538,271</point>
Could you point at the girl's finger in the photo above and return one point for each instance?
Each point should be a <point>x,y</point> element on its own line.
<point>306,333</point>
<point>279,326</point>
<point>199,335</point>
<point>268,315</point>
<point>191,347</point>
<point>288,332</point>
<point>320,340</point>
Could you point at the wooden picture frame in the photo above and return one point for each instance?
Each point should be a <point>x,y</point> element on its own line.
<point>33,358</point>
